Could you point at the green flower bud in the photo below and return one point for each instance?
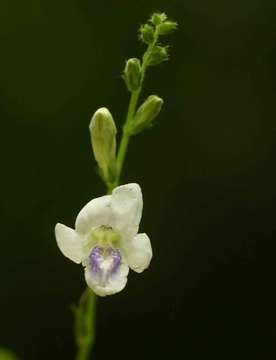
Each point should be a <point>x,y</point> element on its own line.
<point>146,113</point>
<point>132,74</point>
<point>158,18</point>
<point>167,27</point>
<point>146,33</point>
<point>103,138</point>
<point>158,55</point>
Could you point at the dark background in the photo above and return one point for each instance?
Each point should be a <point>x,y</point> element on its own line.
<point>207,171</point>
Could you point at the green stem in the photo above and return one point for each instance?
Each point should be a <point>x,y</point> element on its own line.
<point>126,136</point>
<point>130,116</point>
<point>85,312</point>
<point>85,324</point>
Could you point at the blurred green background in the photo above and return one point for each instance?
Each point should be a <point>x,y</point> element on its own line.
<point>207,171</point>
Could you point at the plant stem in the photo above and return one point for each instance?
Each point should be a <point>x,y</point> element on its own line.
<point>126,137</point>
<point>130,115</point>
<point>85,312</point>
<point>85,324</point>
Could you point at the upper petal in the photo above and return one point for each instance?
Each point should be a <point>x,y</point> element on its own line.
<point>127,205</point>
<point>69,243</point>
<point>138,252</point>
<point>96,213</point>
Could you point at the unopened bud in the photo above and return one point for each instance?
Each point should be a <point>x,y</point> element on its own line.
<point>146,113</point>
<point>167,27</point>
<point>103,137</point>
<point>147,33</point>
<point>132,74</point>
<point>158,18</point>
<point>157,55</point>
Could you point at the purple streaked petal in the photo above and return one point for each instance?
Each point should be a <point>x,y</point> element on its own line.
<point>104,262</point>
<point>117,258</point>
<point>95,259</point>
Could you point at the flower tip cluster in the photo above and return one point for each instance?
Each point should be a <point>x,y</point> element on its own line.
<point>163,25</point>
<point>157,25</point>
<point>149,34</point>
<point>158,18</point>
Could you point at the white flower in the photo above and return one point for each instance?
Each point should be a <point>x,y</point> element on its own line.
<point>105,239</point>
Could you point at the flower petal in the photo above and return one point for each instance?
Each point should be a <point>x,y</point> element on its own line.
<point>127,205</point>
<point>138,252</point>
<point>96,213</point>
<point>69,243</point>
<point>115,283</point>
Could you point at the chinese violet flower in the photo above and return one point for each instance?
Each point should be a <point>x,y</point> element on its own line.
<point>105,239</point>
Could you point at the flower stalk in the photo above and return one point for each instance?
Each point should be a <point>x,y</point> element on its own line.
<point>134,98</point>
<point>85,324</point>
<point>111,167</point>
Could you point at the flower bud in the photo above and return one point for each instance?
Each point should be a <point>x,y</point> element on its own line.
<point>157,55</point>
<point>132,74</point>
<point>103,137</point>
<point>158,18</point>
<point>146,113</point>
<point>147,33</point>
<point>167,27</point>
